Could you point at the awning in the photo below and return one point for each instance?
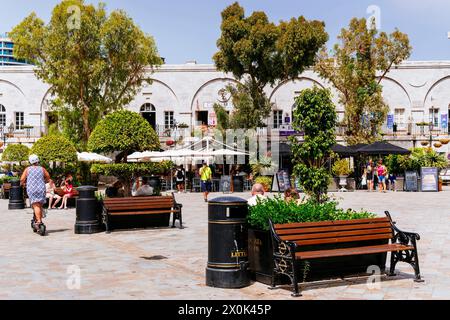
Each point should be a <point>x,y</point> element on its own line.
<point>382,148</point>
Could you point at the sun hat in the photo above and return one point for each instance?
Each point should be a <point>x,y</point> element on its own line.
<point>33,159</point>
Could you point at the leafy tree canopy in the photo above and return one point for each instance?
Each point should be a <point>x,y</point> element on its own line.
<point>55,148</point>
<point>263,53</point>
<point>16,153</point>
<point>124,131</point>
<point>315,115</point>
<point>356,66</point>
<point>94,62</point>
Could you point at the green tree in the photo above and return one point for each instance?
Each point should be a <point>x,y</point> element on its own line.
<point>94,62</point>
<point>315,115</point>
<point>53,149</point>
<point>16,153</point>
<point>356,67</point>
<point>421,157</point>
<point>125,132</point>
<point>262,53</point>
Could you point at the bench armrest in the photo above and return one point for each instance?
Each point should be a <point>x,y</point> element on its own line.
<point>406,238</point>
<point>286,249</point>
<point>175,203</point>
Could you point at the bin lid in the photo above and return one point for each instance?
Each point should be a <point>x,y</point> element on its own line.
<point>87,188</point>
<point>228,199</point>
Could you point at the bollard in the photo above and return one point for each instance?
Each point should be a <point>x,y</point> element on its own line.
<point>227,243</point>
<point>16,200</point>
<point>87,221</point>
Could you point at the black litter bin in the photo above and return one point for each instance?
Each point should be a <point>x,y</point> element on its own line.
<point>227,243</point>
<point>16,200</point>
<point>88,220</point>
<point>238,184</point>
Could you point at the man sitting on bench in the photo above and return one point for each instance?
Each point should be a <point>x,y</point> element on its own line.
<point>145,189</point>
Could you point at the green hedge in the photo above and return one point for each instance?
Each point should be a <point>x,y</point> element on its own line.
<point>282,212</point>
<point>16,153</point>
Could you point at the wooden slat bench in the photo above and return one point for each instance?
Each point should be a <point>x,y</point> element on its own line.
<point>141,206</point>
<point>294,244</point>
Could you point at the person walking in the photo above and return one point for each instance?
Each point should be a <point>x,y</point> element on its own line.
<point>180,176</point>
<point>392,180</point>
<point>369,175</point>
<point>34,178</point>
<point>381,173</point>
<point>205,177</point>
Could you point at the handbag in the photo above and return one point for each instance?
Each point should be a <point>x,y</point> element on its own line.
<point>364,181</point>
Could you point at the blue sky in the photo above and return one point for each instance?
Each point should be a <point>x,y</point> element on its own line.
<point>188,30</point>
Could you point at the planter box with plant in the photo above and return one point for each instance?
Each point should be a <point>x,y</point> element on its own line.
<point>341,169</point>
<point>280,212</point>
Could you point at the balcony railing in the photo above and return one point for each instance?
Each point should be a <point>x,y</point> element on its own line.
<point>405,130</point>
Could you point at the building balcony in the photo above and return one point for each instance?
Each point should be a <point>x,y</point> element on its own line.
<point>405,132</point>
<point>28,134</point>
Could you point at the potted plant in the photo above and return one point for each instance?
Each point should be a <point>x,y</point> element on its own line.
<point>260,252</point>
<point>341,169</point>
<point>183,126</point>
<point>266,182</point>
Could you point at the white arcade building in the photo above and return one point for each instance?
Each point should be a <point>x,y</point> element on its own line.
<point>416,91</point>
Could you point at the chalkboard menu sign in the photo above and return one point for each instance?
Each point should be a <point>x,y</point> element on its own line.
<point>411,181</point>
<point>430,179</point>
<point>282,181</point>
<point>225,184</point>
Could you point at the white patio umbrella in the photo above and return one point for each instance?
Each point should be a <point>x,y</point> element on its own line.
<point>228,152</point>
<point>93,157</point>
<point>145,156</point>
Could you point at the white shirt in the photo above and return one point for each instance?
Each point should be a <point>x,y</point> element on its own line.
<point>253,201</point>
<point>145,190</point>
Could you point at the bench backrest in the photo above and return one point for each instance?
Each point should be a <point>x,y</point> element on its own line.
<point>138,203</point>
<point>335,232</point>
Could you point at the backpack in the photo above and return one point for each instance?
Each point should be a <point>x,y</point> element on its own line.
<point>180,174</point>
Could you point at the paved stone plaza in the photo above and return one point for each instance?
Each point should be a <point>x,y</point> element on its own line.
<point>170,263</point>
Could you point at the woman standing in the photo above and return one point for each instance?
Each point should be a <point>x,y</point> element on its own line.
<point>381,172</point>
<point>370,175</point>
<point>34,178</point>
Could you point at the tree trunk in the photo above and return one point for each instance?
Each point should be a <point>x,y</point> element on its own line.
<point>86,127</point>
<point>126,186</point>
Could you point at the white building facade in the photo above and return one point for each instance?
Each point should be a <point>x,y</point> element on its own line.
<point>416,92</point>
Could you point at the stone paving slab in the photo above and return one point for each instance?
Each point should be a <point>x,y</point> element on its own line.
<point>121,265</point>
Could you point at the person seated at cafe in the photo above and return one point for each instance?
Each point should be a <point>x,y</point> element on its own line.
<point>291,195</point>
<point>257,195</point>
<point>145,189</point>
<point>115,190</point>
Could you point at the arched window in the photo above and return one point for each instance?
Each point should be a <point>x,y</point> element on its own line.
<point>2,116</point>
<point>148,107</point>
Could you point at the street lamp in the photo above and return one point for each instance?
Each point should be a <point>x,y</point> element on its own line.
<point>431,125</point>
